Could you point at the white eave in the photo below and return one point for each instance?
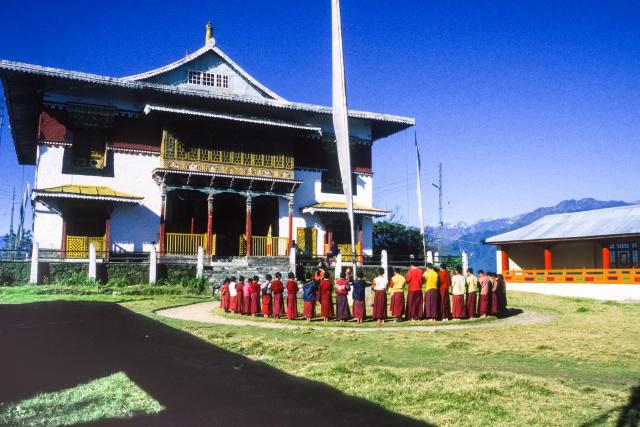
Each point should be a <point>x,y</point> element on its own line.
<point>140,85</point>
<point>233,117</point>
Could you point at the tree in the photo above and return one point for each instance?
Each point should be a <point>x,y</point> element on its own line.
<point>399,240</point>
<point>12,248</point>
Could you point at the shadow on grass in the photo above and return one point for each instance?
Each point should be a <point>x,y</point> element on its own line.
<point>629,414</point>
<point>46,347</point>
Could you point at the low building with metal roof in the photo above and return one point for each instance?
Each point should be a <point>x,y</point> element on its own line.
<point>599,246</point>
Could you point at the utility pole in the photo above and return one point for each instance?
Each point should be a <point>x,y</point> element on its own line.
<point>11,237</point>
<point>440,215</point>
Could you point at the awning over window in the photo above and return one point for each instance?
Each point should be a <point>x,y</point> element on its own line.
<point>87,192</point>
<point>335,207</point>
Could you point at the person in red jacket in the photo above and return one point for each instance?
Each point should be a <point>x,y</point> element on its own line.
<point>445,284</point>
<point>277,301</point>
<point>326,303</point>
<point>292,297</point>
<point>254,306</point>
<point>414,296</point>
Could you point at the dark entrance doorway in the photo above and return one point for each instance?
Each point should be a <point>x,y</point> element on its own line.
<point>229,216</point>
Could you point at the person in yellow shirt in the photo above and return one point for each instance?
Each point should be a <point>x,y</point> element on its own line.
<point>397,284</point>
<point>431,297</point>
<point>472,292</point>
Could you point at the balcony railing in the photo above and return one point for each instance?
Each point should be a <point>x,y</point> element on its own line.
<point>78,246</point>
<point>345,251</point>
<point>265,246</point>
<point>188,244</point>
<point>174,155</point>
<point>576,275</point>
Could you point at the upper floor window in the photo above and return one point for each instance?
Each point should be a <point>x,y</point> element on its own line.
<point>208,79</point>
<point>90,148</point>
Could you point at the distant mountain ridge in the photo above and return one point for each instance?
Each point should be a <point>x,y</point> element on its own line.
<point>458,237</point>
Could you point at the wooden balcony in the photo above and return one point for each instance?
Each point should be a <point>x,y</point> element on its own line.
<point>576,276</point>
<point>174,155</point>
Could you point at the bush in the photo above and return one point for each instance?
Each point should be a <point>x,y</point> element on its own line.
<point>123,274</point>
<point>14,272</point>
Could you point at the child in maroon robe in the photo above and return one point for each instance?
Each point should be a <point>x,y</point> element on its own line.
<point>225,298</point>
<point>277,301</point>
<point>292,297</point>
<point>326,303</point>
<point>309,293</point>
<point>266,291</point>
<point>358,295</point>
<point>493,309</point>
<point>254,306</point>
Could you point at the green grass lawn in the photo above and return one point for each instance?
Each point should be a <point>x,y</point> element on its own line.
<point>577,369</point>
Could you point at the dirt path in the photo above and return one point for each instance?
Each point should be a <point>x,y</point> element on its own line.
<point>203,312</point>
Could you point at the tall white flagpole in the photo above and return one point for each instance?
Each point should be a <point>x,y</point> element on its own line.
<point>419,190</point>
<point>340,120</point>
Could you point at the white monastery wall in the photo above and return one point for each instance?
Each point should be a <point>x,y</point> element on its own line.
<point>603,292</point>
<point>133,227</point>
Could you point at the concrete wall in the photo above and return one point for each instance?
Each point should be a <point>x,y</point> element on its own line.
<point>527,256</point>
<point>524,257</point>
<point>133,227</point>
<point>576,255</point>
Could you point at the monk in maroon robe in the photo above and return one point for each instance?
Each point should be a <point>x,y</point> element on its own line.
<point>277,300</point>
<point>493,309</point>
<point>326,302</point>
<point>239,299</point>
<point>342,304</point>
<point>445,283</point>
<point>266,291</point>
<point>254,307</point>
<point>414,295</point>
<point>292,297</point>
<point>225,298</point>
<point>380,297</point>
<point>485,294</point>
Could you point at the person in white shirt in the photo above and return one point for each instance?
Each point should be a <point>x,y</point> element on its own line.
<point>233,294</point>
<point>458,289</point>
<point>380,297</point>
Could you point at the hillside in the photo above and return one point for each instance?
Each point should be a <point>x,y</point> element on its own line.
<point>458,237</point>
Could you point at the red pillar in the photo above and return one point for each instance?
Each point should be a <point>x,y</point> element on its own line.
<point>606,257</point>
<point>107,236</point>
<point>248,227</point>
<point>547,259</point>
<point>192,229</point>
<point>290,205</point>
<point>210,225</point>
<point>505,259</point>
<point>163,203</point>
<point>63,243</point>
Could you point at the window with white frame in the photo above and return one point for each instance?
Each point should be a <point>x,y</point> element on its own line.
<point>195,77</point>
<point>208,79</point>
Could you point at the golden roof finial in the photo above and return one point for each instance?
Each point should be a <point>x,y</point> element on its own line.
<point>208,38</point>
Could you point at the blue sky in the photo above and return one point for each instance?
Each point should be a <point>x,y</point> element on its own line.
<point>526,103</point>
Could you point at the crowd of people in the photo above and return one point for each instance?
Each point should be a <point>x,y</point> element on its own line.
<point>435,294</point>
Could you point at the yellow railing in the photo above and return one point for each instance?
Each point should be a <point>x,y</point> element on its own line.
<point>78,246</point>
<point>575,275</point>
<point>345,251</point>
<point>265,246</point>
<point>187,244</point>
<point>175,155</point>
